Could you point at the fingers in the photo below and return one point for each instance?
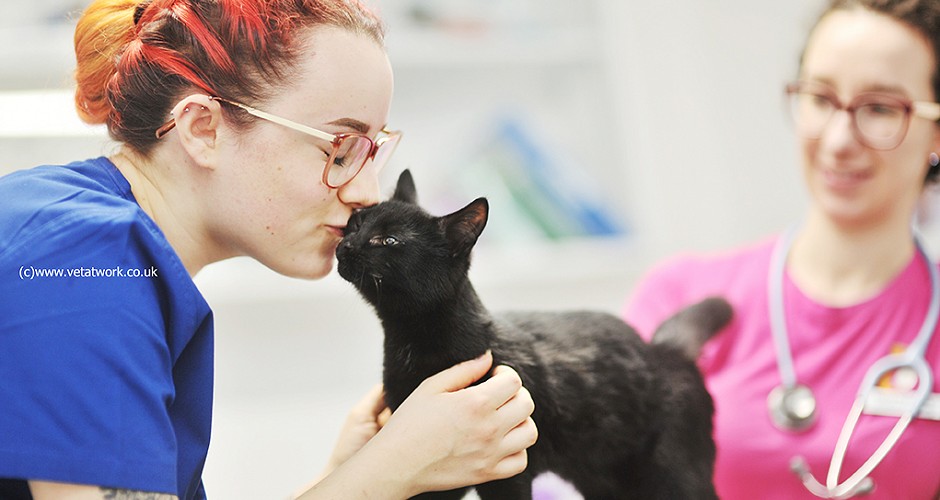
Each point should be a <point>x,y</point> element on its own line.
<point>362,423</point>
<point>511,465</point>
<point>520,437</point>
<point>514,407</point>
<point>513,403</point>
<point>515,444</point>
<point>501,387</point>
<point>454,435</point>
<point>462,375</point>
<point>372,404</point>
<point>523,432</point>
<point>518,408</point>
<point>383,417</point>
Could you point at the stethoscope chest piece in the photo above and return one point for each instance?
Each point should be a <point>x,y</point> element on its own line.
<point>792,408</point>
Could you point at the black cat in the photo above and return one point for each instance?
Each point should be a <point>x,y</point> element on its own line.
<point>617,417</point>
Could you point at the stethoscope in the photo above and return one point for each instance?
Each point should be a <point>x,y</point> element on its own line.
<point>792,405</point>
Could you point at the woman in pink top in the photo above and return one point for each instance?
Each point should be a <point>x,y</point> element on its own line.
<point>853,287</point>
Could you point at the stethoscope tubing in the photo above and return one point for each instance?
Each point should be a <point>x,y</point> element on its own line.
<point>914,357</point>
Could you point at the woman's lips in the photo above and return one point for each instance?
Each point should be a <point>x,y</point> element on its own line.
<point>844,179</point>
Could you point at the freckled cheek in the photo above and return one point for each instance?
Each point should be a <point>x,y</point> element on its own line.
<point>297,217</point>
<point>264,212</point>
<point>270,230</point>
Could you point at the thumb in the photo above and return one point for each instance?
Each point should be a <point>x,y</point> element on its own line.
<point>462,375</point>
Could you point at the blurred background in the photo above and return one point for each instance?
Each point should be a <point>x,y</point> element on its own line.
<point>607,135</point>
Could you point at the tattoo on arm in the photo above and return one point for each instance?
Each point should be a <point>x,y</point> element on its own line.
<point>119,494</point>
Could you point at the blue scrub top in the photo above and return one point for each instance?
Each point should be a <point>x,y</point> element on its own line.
<point>106,344</point>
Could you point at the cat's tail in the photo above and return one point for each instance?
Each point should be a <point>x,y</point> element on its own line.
<point>690,328</point>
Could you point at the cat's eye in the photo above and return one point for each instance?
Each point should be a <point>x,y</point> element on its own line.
<point>384,241</point>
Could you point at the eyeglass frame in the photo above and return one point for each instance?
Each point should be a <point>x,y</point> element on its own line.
<point>334,139</point>
<point>922,109</point>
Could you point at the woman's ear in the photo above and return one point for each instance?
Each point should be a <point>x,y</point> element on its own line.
<point>197,120</point>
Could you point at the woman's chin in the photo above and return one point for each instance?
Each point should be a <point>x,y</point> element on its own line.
<point>313,273</point>
<point>311,269</point>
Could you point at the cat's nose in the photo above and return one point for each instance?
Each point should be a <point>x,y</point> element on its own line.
<point>343,248</point>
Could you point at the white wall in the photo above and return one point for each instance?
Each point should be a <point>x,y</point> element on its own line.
<point>710,155</point>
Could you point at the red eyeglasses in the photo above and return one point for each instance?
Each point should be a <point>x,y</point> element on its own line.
<point>350,151</point>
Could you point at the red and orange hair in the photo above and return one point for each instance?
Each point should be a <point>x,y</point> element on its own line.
<point>136,58</point>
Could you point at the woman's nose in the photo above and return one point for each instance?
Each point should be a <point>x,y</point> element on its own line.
<point>363,190</point>
<point>840,132</point>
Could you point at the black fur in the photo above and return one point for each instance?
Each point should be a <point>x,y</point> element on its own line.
<point>617,417</point>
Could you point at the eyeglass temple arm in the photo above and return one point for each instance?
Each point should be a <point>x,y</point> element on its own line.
<point>166,127</point>
<point>927,110</point>
<point>280,121</point>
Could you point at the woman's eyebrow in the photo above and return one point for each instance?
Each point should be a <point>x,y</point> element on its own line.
<point>886,89</point>
<point>352,123</point>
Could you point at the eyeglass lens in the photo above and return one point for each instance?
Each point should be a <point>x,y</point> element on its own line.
<point>386,146</point>
<point>351,154</point>
<point>347,160</point>
<point>879,121</point>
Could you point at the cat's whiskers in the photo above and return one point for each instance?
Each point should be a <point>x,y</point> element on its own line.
<point>377,279</point>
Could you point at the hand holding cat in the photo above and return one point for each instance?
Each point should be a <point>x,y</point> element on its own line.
<point>444,436</point>
<point>522,436</point>
<point>362,424</point>
<point>447,435</point>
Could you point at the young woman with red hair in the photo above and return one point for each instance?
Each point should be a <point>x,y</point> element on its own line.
<point>247,127</point>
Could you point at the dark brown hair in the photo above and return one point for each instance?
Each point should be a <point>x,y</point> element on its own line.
<point>923,16</point>
<point>136,58</point>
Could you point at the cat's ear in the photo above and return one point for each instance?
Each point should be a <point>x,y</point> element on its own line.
<point>464,226</point>
<point>405,190</point>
